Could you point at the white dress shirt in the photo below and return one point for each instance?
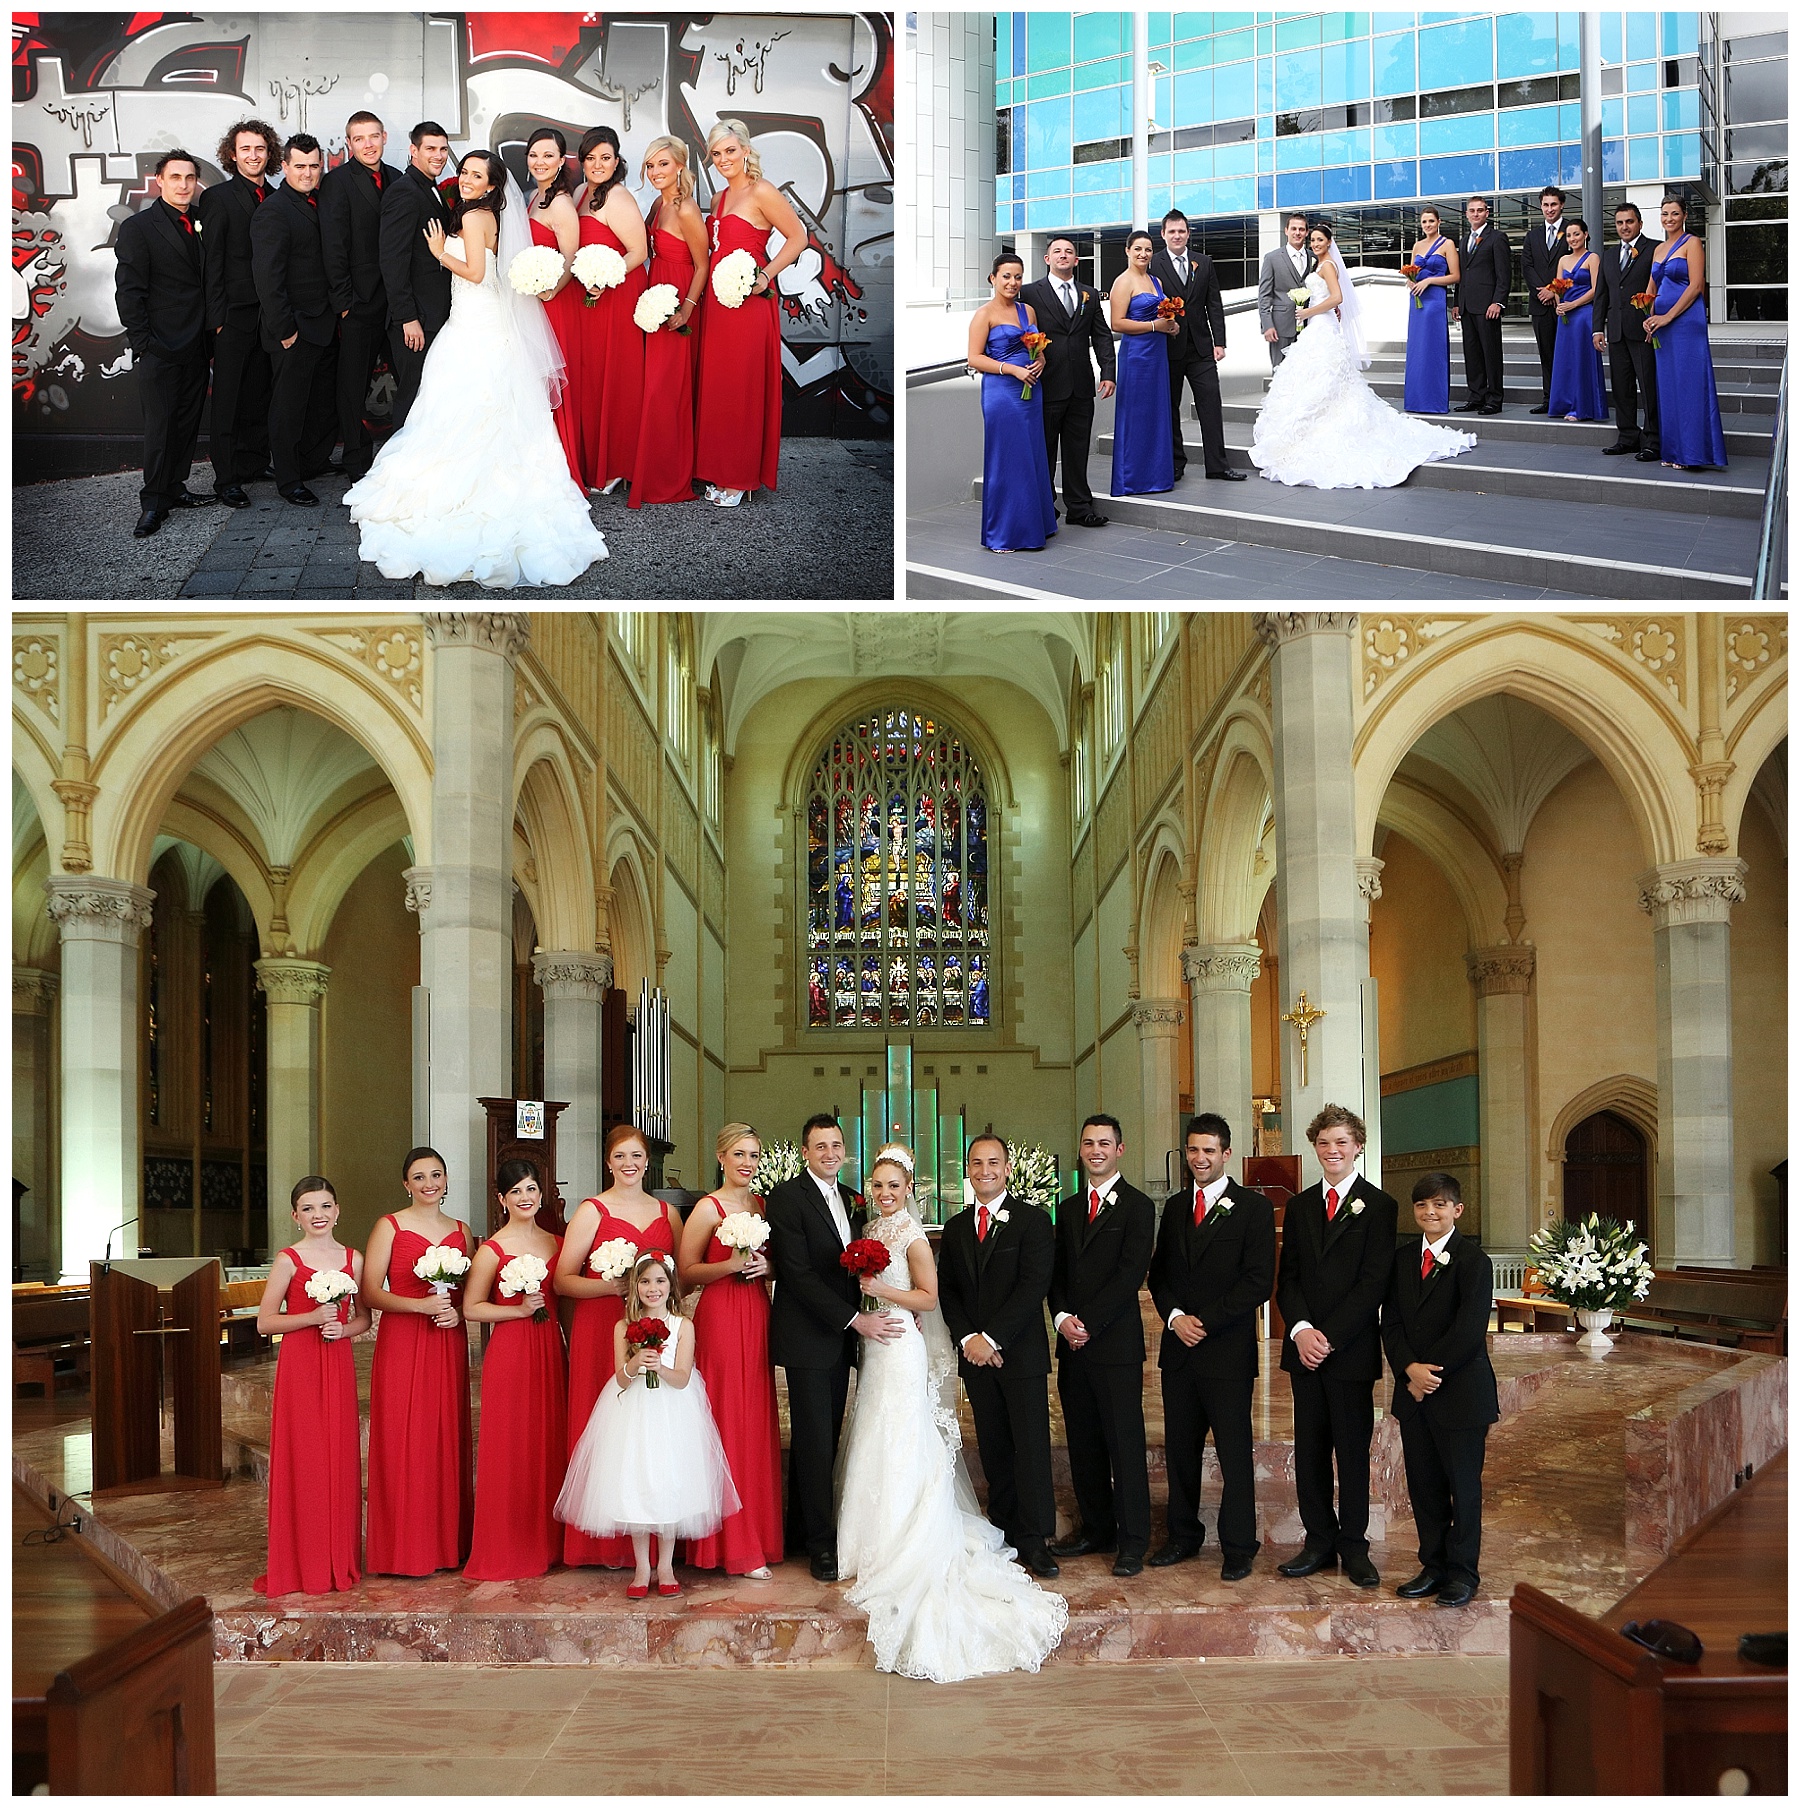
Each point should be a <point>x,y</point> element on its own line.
<point>1088,1189</point>
<point>993,1206</point>
<point>1068,294</point>
<point>1437,1248</point>
<point>1212,1195</point>
<point>840,1219</point>
<point>1343,1193</point>
<point>1298,260</point>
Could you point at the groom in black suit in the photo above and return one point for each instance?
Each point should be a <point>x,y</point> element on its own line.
<point>1481,302</point>
<point>993,1275</point>
<point>1214,1267</point>
<point>1074,317</point>
<point>813,1327</point>
<point>1197,347</point>
<point>1619,331</point>
<point>350,206</point>
<point>418,286</point>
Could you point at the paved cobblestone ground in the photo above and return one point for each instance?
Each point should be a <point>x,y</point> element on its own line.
<point>827,533</point>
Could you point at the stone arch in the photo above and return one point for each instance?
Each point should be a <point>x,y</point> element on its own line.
<point>548,802</point>
<point>632,918</point>
<point>1231,889</point>
<point>1628,1095</point>
<point>1162,918</point>
<point>35,767</point>
<point>225,842</point>
<point>1753,740</point>
<point>1457,849</point>
<point>34,939</point>
<point>334,863</point>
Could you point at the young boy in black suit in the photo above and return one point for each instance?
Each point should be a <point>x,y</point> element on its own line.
<point>1434,1323</point>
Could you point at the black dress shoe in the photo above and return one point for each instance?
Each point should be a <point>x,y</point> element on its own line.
<point>1175,1551</point>
<point>1308,1563</point>
<point>1617,449</point>
<point>1180,472</point>
<point>1093,518</point>
<point>300,495</point>
<point>1360,1570</point>
<point>148,522</point>
<point>825,1569</point>
<point>189,499</point>
<point>1456,1594</point>
<point>1081,1545</point>
<point>1541,408</point>
<point>232,495</point>
<point>1649,456</point>
<point>265,475</point>
<point>1229,475</point>
<point>1039,1561</point>
<point>1490,408</point>
<point>1466,408</point>
<point>1423,1584</point>
<point>1235,1569</point>
<point>1129,1566</point>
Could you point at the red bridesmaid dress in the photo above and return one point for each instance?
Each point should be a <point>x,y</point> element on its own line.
<point>731,1351</point>
<point>421,1468</point>
<point>611,397</point>
<point>565,322</point>
<point>591,1367</point>
<point>524,1440</point>
<point>664,471</point>
<point>737,425</point>
<point>315,1458</point>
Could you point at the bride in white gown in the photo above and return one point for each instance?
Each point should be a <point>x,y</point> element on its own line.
<point>475,487</point>
<point>1322,426</point>
<point>945,1600</point>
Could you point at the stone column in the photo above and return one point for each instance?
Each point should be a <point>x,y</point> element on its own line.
<point>1506,1043</point>
<point>466,961</point>
<point>1324,933</point>
<point>295,989</point>
<point>574,986</point>
<point>1219,978</point>
<point>34,996</point>
<point>102,1156</point>
<point>1159,1022</point>
<point>1689,903</point>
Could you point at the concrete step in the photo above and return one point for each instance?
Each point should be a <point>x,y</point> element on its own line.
<point>1732,402</point>
<point>1524,369</point>
<point>1517,342</point>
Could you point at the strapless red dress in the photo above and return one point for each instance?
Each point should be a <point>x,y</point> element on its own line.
<point>737,411</point>
<point>565,312</point>
<point>665,445</point>
<point>610,398</point>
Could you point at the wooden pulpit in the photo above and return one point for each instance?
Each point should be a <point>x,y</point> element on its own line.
<point>525,1129</point>
<point>1277,1178</point>
<point>152,1318</point>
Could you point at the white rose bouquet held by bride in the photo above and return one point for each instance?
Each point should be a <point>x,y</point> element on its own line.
<point>747,1231</point>
<point>332,1286</point>
<point>441,1267</point>
<point>612,1260</point>
<point>656,308</point>
<point>733,277</point>
<point>525,1274</point>
<point>535,271</point>
<point>1300,298</point>
<point>597,267</point>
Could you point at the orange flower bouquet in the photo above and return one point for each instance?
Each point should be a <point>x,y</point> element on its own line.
<point>1411,272</point>
<point>1171,307</point>
<point>1033,343</point>
<point>1644,300</point>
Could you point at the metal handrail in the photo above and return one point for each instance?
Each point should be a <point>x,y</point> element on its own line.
<point>1771,546</point>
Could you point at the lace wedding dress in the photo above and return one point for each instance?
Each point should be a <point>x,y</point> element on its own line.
<point>475,487</point>
<point>1322,426</point>
<point>945,1602</point>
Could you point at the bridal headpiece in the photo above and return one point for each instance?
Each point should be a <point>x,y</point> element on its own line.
<point>898,1154</point>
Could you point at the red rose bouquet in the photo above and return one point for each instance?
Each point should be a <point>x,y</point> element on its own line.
<point>647,1334</point>
<point>865,1258</point>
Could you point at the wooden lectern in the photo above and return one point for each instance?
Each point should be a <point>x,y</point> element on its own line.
<point>504,1122</point>
<point>135,1337</point>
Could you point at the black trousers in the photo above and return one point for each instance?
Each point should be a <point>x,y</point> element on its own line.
<point>1333,1421</point>
<point>815,1418</point>
<point>1012,1431</point>
<point>302,410</point>
<point>1192,1406</point>
<point>361,337</point>
<point>1634,383</point>
<point>1443,1476</point>
<point>1483,368</point>
<point>241,385</point>
<point>173,395</point>
<point>1069,426</point>
<point>1199,372</point>
<point>408,368</point>
<point>1543,330</point>
<point>1103,1415</point>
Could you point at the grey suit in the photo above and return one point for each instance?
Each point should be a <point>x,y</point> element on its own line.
<point>1273,308</point>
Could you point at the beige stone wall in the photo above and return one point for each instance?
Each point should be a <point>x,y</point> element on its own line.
<point>1417,941</point>
<point>1759,1068</point>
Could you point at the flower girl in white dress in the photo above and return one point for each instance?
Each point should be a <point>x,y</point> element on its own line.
<point>650,1460</point>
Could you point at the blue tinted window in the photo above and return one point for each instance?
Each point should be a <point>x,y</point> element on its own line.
<point>1018,217</point>
<point>1051,82</point>
<point>1472,174</point>
<point>1194,55</point>
<point>1681,156</point>
<point>1095,210</point>
<point>1234,91</point>
<point>1047,140</point>
<point>1192,25</point>
<point>1234,160</point>
<point>1233,21</point>
<point>1396,181</point>
<point>1194,98</point>
<point>1641,76</point>
<point>1265,38</point>
<point>1104,74</point>
<point>1466,132</point>
<point>1297,33</point>
<point>1162,198</point>
<point>1297,80</point>
<point>1099,34</point>
<point>1047,40</point>
<point>1298,153</point>
<point>1525,44</point>
<point>1002,92</point>
<point>1528,169</point>
<point>1003,42</point>
<point>1642,159</point>
<point>1351,184</point>
<point>1097,178</point>
<point>1612,160</point>
<point>1346,70</point>
<point>1393,142</point>
<point>1194,166</point>
<point>1568,40</point>
<point>1681,112</point>
<point>1640,35</point>
<point>1039,183</point>
<point>1105,113</point>
<point>1640,113</point>
<point>1305,188</point>
<point>1612,117</point>
<point>1159,29</point>
<point>1395,71</point>
<point>1162,170</point>
<point>1347,147</point>
<point>1237,196</point>
<point>1045,216</point>
<point>1527,125</point>
<point>1234,47</point>
<point>1681,34</point>
<point>1453,56</point>
<point>1194,197</point>
<point>1018,43</point>
<point>1265,85</point>
<point>1612,38</point>
<point>1162,98</point>
<point>1380,22</point>
<point>1569,120</point>
<point>1265,191</point>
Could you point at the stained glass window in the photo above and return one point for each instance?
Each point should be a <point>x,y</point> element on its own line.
<point>897,877</point>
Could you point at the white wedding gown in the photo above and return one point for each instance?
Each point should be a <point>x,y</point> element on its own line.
<point>1322,427</point>
<point>475,487</point>
<point>945,1602</point>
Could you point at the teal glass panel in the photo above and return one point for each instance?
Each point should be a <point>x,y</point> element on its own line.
<point>1337,28</point>
<point>1680,34</point>
<point>1612,117</point>
<point>1233,22</point>
<point>1299,33</point>
<point>1525,125</point>
<point>1265,155</point>
<point>1569,121</point>
<point>1158,34</point>
<point>1235,196</point>
<point>952,1142</point>
<point>1003,40</point>
<point>1048,85</point>
<point>1162,169</point>
<point>1265,85</point>
<point>1194,166</point>
<point>1612,38</point>
<point>1002,218</point>
<point>1234,160</point>
<point>1162,100</point>
<point>1464,132</point>
<point>1099,35</point>
<point>1640,35</point>
<point>1194,197</point>
<point>925,1156</point>
<point>1047,141</point>
<point>1297,81</point>
<point>1265,39</point>
<point>1303,152</point>
<point>1345,147</point>
<point>1641,159</point>
<point>1568,40</point>
<point>1395,64</point>
<point>1098,210</point>
<point>1524,45</point>
<point>1640,113</point>
<point>1046,40</point>
<point>1345,72</point>
<point>1052,181</point>
<point>1100,178</point>
<point>1233,47</point>
<point>1194,98</point>
<point>1103,74</point>
<point>1456,56</point>
<point>1192,25</point>
<point>1681,156</point>
<point>1394,142</point>
<point>1681,111</point>
<point>1195,54</point>
<point>1642,77</point>
<point>1234,91</point>
<point>874,1134</point>
<point>1105,113</point>
<point>1380,22</point>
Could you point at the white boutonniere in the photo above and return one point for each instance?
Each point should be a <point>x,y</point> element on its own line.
<point>1001,1216</point>
<point>1442,1261</point>
<point>1356,1207</point>
<point>1223,1208</point>
<point>198,228</point>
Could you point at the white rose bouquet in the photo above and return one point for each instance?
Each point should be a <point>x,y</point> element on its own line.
<point>656,308</point>
<point>733,278</point>
<point>1300,298</point>
<point>1594,1267</point>
<point>441,1267</point>
<point>747,1231</point>
<point>597,267</point>
<point>525,1274</point>
<point>536,270</point>
<point>780,1161</point>
<point>612,1260</point>
<point>333,1286</point>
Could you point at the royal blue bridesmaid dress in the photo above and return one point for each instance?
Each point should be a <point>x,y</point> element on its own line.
<point>1687,395</point>
<point>1018,507</point>
<point>1577,378</point>
<point>1143,461</point>
<point>1428,341</point>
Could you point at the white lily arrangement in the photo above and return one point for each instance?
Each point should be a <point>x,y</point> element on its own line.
<point>780,1161</point>
<point>1594,1266</point>
<point>1035,1177</point>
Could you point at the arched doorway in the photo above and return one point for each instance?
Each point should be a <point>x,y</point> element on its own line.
<point>1606,1169</point>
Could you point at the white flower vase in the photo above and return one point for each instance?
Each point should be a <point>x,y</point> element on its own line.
<point>1596,1342</point>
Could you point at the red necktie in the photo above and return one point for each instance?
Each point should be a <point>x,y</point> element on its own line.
<point>377,175</point>
<point>256,188</point>
<point>1199,1205</point>
<point>1331,1204</point>
<point>1093,1204</point>
<point>312,200</point>
<point>981,1225</point>
<point>187,225</point>
<point>1427,1264</point>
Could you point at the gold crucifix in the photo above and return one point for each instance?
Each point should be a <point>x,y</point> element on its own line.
<point>1303,1016</point>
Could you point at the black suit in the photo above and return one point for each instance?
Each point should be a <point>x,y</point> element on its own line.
<point>1068,381</point>
<point>288,262</point>
<point>160,288</point>
<point>1628,351</point>
<point>1540,261</point>
<point>1218,1271</point>
<point>810,1336</point>
<point>241,377</point>
<point>1486,279</point>
<point>1098,1270</point>
<point>350,208</point>
<point>1190,350</point>
<point>418,286</point>
<point>1333,1277</point>
<point>1443,1318</point>
<point>997,1286</point>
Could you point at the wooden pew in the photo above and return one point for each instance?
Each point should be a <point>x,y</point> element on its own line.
<point>237,1316</point>
<point>49,1337</point>
<point>1744,1308</point>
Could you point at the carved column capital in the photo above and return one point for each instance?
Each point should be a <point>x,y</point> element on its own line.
<point>1368,877</point>
<point>34,991</point>
<point>418,892</point>
<point>1158,1016</point>
<point>1508,967</point>
<point>1276,627</point>
<point>99,910</point>
<point>1710,779</point>
<point>505,633</point>
<point>1692,891</point>
<point>1221,966</point>
<point>567,973</point>
<point>284,980</point>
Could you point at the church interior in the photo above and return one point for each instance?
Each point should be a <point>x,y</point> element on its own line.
<point>295,892</point>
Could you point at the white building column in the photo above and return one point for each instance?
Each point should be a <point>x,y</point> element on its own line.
<point>466,956</point>
<point>574,987</point>
<point>34,1156</point>
<point>1159,1022</point>
<point>1323,911</point>
<point>1689,903</point>
<point>100,921</point>
<point>295,990</point>
<point>1502,978</point>
<point>1219,977</point>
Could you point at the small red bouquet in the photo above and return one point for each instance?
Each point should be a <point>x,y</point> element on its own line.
<point>1560,286</point>
<point>1033,343</point>
<point>1644,300</point>
<point>865,1258</point>
<point>1171,307</point>
<point>647,1334</point>
<point>1412,272</point>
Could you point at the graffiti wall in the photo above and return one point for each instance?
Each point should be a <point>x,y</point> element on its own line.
<point>98,96</point>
